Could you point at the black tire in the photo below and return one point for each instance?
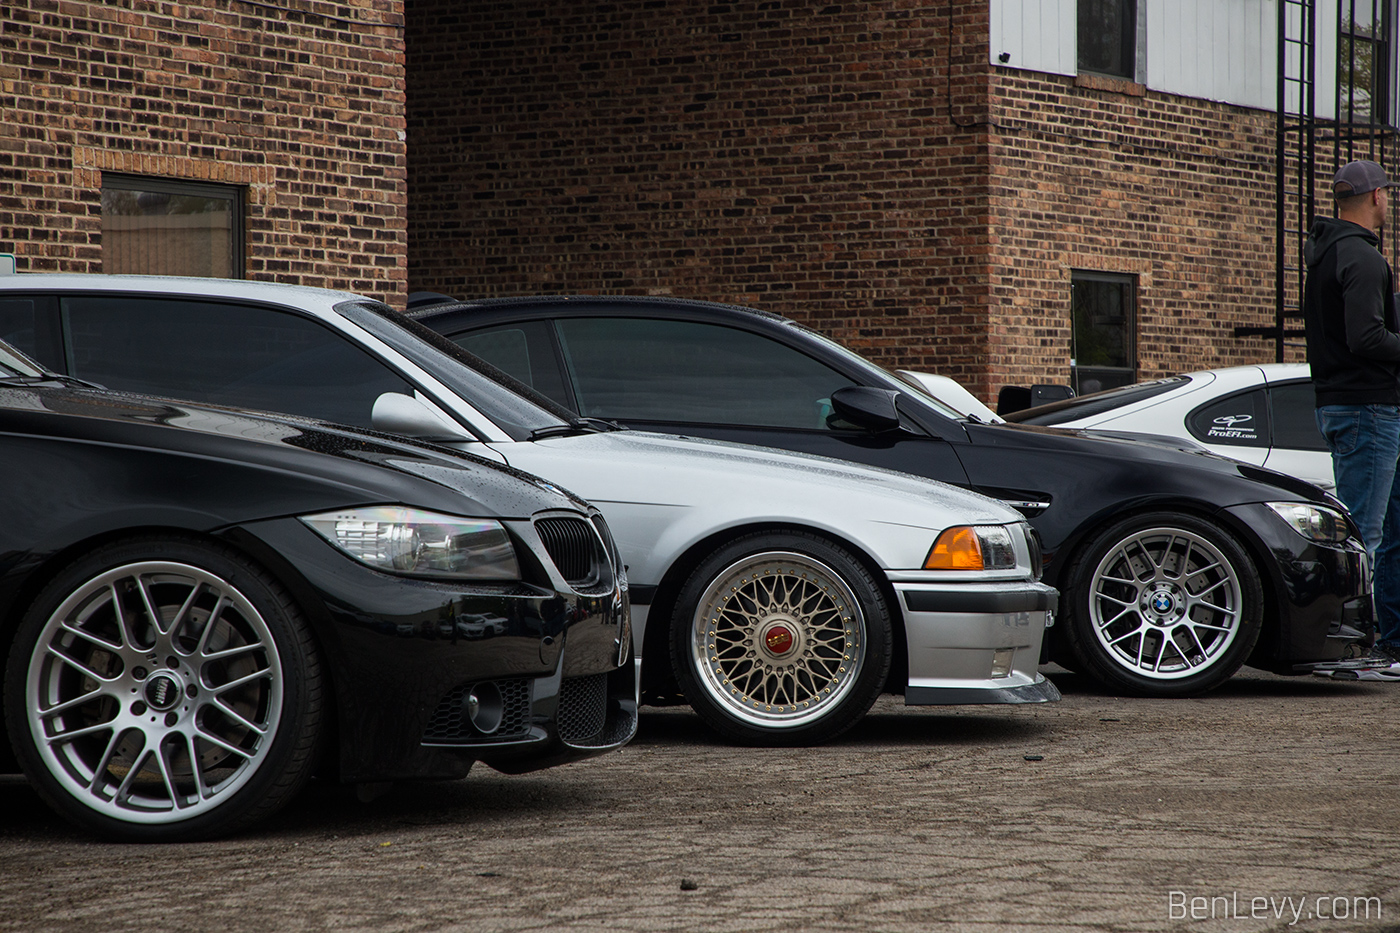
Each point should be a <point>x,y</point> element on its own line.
<point>189,728</point>
<point>781,639</point>
<point>1162,604</point>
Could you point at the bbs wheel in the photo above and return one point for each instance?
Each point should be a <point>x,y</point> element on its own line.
<point>781,639</point>
<point>163,689</point>
<point>1164,605</point>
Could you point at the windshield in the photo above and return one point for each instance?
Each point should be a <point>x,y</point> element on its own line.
<point>1095,403</point>
<point>891,380</point>
<point>511,405</point>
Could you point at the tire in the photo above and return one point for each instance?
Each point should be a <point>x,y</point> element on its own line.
<point>171,731</point>
<point>781,639</point>
<point>1162,604</point>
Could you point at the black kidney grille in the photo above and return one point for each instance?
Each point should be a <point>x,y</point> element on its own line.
<point>583,708</point>
<point>449,725</point>
<point>573,547</point>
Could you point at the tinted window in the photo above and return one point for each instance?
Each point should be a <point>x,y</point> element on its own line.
<point>27,323</point>
<point>1239,420</point>
<point>647,370</point>
<point>1295,419</point>
<point>525,351</point>
<point>228,354</point>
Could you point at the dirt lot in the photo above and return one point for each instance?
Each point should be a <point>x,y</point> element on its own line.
<point>1225,813</point>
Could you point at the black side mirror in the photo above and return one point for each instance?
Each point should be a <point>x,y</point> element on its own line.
<point>867,407</point>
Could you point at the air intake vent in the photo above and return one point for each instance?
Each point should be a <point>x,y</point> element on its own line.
<point>575,549</point>
<point>583,705</point>
<point>449,725</point>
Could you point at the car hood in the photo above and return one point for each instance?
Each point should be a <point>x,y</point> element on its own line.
<point>663,494</point>
<point>1089,455</point>
<point>253,466</point>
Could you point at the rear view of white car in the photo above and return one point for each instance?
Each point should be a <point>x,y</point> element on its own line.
<point>778,593</point>
<point>1260,414</point>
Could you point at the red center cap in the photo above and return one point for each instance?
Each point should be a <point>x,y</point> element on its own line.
<point>779,639</point>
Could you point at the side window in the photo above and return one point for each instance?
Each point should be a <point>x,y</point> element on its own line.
<point>1295,423</point>
<point>27,324</point>
<point>1239,420</point>
<point>635,369</point>
<point>228,354</point>
<point>525,351</point>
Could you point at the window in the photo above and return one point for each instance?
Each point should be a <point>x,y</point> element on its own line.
<point>1102,351</point>
<point>1239,420</point>
<point>27,324</point>
<point>650,370</point>
<point>525,351</point>
<point>1362,59</point>
<point>1108,37</point>
<point>153,226</point>
<point>228,354</point>
<point>1295,416</point>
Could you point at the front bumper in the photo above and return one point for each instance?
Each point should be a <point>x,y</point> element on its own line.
<point>1322,594</point>
<point>976,643</point>
<point>403,654</point>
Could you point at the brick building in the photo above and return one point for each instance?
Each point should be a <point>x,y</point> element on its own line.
<point>947,186</point>
<point>251,139</point>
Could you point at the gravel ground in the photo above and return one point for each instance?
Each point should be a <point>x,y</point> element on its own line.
<point>1093,814</point>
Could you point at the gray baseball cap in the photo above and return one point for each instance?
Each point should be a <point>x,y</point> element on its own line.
<point>1358,178</point>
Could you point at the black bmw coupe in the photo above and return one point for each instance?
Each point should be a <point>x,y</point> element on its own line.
<point>202,606</point>
<point>1175,567</point>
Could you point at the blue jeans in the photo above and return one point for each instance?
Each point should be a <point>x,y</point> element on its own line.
<point>1365,445</point>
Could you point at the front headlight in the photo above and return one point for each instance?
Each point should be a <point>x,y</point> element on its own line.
<point>411,541</point>
<point>1313,521</point>
<point>972,547</point>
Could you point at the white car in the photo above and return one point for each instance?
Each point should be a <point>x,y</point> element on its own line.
<point>1260,414</point>
<point>951,393</point>
<point>779,593</point>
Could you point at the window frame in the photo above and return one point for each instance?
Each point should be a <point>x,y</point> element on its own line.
<point>1376,37</point>
<point>1129,282</point>
<point>236,195</point>
<point>1128,41</point>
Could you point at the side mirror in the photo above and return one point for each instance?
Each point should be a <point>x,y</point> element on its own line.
<point>867,407</point>
<point>396,413</point>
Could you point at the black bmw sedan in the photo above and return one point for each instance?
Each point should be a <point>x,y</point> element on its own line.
<point>1175,567</point>
<point>200,607</point>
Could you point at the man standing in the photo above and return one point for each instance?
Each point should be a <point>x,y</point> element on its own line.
<point>1353,333</point>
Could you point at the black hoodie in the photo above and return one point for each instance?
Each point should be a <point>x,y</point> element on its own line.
<point>1350,314</point>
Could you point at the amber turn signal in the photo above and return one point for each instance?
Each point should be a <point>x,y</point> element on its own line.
<point>956,549</point>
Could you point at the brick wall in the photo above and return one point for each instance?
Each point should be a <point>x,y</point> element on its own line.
<point>300,102</point>
<point>816,160</point>
<point>796,156</point>
<point>1098,174</point>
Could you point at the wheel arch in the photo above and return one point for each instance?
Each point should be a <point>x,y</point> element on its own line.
<point>248,546</point>
<point>658,678</point>
<point>1254,548</point>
